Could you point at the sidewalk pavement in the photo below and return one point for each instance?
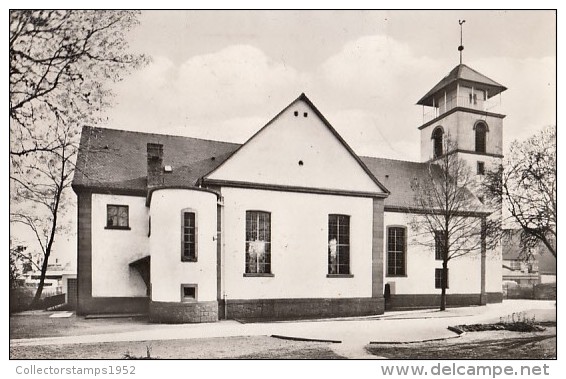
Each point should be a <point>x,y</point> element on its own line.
<point>405,326</point>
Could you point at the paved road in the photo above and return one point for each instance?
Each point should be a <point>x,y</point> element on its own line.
<point>353,333</point>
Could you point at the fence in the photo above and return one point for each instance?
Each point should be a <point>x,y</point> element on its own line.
<point>541,291</point>
<point>21,298</point>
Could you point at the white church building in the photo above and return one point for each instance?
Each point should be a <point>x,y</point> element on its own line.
<point>290,224</point>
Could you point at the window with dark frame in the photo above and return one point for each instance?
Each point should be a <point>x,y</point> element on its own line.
<point>338,244</point>
<point>258,242</point>
<point>396,251</point>
<point>189,239</point>
<point>481,134</point>
<point>438,278</point>
<point>189,292</point>
<point>437,136</point>
<point>481,168</point>
<point>117,217</point>
<point>439,237</point>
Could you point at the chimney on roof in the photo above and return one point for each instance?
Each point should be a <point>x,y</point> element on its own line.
<point>154,164</point>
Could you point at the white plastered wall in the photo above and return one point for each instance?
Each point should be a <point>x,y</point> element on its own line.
<point>114,249</point>
<point>464,273</point>
<point>168,271</point>
<point>460,127</point>
<point>299,238</point>
<point>288,140</point>
<point>494,270</point>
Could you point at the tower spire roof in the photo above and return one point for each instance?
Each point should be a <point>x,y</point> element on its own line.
<point>466,76</point>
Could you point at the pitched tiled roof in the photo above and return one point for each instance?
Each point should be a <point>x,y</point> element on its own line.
<point>117,159</point>
<point>463,73</point>
<point>397,176</point>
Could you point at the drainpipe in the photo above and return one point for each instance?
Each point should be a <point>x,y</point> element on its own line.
<point>223,257</point>
<point>483,295</point>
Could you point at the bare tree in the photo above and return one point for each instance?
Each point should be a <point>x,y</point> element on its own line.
<point>61,63</point>
<point>526,185</point>
<point>449,218</point>
<point>39,195</point>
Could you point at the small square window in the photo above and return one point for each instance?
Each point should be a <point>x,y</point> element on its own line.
<point>188,292</point>
<point>481,168</point>
<point>117,217</point>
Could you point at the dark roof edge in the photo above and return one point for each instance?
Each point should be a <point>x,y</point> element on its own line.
<point>343,142</point>
<point>80,188</point>
<point>150,191</point>
<point>415,210</point>
<point>280,187</point>
<point>487,77</point>
<point>461,109</point>
<point>434,90</point>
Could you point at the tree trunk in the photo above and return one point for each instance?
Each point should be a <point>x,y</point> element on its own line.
<point>37,298</point>
<point>444,285</point>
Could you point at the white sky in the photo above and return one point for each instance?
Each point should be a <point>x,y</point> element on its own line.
<point>223,74</point>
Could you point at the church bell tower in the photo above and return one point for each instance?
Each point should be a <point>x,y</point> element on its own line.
<point>460,116</point>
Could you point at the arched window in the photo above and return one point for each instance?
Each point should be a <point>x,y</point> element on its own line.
<point>437,135</point>
<point>481,136</point>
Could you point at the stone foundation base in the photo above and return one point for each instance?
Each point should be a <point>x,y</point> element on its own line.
<point>424,301</point>
<point>281,309</point>
<point>176,313</point>
<point>104,305</point>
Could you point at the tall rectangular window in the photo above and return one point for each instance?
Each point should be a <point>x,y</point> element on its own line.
<point>396,251</point>
<point>338,244</point>
<point>258,242</point>
<point>189,241</point>
<point>439,236</point>
<point>438,278</point>
<point>117,217</point>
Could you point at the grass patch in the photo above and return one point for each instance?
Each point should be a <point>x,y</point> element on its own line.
<point>254,347</point>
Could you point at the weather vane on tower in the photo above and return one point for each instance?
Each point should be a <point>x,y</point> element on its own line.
<point>461,47</point>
